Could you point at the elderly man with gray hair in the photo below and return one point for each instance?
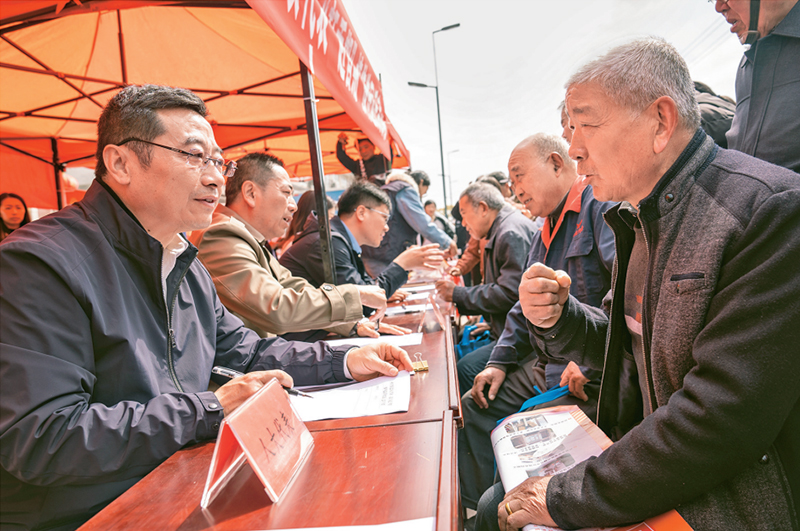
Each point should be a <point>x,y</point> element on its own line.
<point>508,234</point>
<point>702,320</point>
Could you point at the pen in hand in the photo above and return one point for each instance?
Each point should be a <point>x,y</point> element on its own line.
<point>230,373</point>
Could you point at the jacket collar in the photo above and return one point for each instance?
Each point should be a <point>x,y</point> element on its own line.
<point>495,228</point>
<point>678,180</point>
<point>223,210</point>
<point>790,25</point>
<point>337,225</point>
<point>120,225</point>
<point>676,183</point>
<point>572,204</point>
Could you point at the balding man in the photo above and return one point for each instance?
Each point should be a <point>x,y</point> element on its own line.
<point>508,235</point>
<point>574,238</point>
<point>249,279</point>
<point>703,316</point>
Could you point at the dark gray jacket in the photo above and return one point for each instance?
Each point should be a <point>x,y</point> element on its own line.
<point>101,379</point>
<point>304,259</point>
<point>767,120</point>
<point>507,245</point>
<point>721,327</point>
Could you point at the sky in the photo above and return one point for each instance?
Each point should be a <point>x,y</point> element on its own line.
<point>502,72</point>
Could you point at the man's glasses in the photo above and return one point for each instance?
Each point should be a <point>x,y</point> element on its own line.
<point>194,160</point>
<point>384,214</point>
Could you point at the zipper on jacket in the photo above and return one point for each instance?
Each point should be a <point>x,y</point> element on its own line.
<point>648,373</point>
<point>608,332</point>
<point>171,335</point>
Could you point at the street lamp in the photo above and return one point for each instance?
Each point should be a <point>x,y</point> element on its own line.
<point>438,112</point>
<point>450,173</point>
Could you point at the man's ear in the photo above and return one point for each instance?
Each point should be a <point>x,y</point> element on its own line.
<point>665,112</point>
<point>249,192</point>
<point>556,162</point>
<point>118,162</point>
<point>361,213</point>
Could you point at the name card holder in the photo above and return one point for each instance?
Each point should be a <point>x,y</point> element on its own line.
<point>437,310</point>
<point>265,432</point>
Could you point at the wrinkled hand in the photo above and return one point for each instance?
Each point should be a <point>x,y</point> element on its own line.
<point>528,503</point>
<point>399,296</point>
<point>235,392</point>
<point>573,377</point>
<point>542,294</point>
<point>379,359</point>
<point>479,329</point>
<point>444,288</point>
<point>372,297</point>
<point>420,257</point>
<point>456,272</point>
<point>491,376</point>
<point>368,329</point>
<point>452,251</point>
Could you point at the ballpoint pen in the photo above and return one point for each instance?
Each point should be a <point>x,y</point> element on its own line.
<point>230,373</point>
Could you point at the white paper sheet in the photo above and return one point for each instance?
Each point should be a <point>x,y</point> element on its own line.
<point>374,397</point>
<point>420,524</point>
<point>398,341</point>
<point>417,289</point>
<point>421,296</point>
<point>408,308</point>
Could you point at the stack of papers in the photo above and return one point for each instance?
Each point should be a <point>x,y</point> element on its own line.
<point>374,397</point>
<point>408,308</point>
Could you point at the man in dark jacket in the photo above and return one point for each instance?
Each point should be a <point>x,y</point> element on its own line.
<point>574,238</point>
<point>110,327</point>
<point>369,165</point>
<point>702,321</point>
<point>408,219</point>
<point>361,221</point>
<point>767,119</point>
<point>508,236</point>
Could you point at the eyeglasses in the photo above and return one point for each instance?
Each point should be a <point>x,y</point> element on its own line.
<point>384,214</point>
<point>194,160</point>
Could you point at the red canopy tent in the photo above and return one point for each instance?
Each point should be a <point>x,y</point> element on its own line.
<point>61,61</point>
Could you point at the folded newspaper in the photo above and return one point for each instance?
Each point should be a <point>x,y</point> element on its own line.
<point>550,441</point>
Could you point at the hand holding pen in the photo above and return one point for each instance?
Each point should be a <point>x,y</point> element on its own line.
<point>230,373</point>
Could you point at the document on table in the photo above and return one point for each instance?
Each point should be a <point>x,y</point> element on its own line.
<point>420,524</point>
<point>374,397</point>
<point>408,308</point>
<point>398,341</point>
<point>420,296</point>
<point>417,289</point>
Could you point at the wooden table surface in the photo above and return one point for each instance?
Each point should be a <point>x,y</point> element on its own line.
<point>360,476</point>
<point>432,392</point>
<point>368,470</point>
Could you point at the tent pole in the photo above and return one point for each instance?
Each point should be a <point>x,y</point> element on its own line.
<point>57,172</point>
<point>317,170</point>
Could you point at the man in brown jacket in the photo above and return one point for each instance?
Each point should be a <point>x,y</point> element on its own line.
<point>250,281</point>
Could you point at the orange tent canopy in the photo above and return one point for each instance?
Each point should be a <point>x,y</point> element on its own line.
<point>61,61</point>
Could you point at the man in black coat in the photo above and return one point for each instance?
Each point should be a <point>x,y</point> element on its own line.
<point>362,220</point>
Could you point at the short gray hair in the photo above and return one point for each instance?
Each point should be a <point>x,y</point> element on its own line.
<point>636,74</point>
<point>541,145</point>
<point>486,193</point>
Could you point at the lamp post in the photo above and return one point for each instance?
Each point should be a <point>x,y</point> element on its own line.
<point>438,111</point>
<point>450,173</point>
